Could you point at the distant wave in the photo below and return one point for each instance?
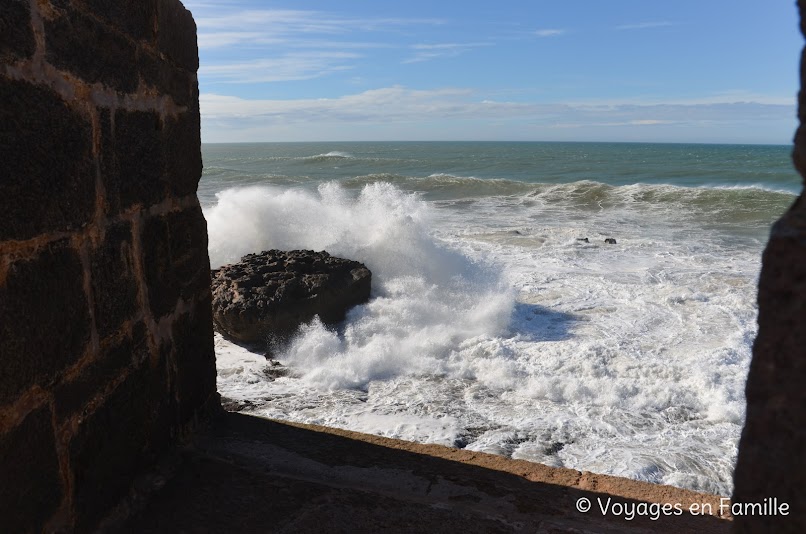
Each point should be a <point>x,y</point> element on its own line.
<point>334,155</point>
<point>446,185</point>
<point>751,204</point>
<point>594,191</point>
<point>760,187</point>
<point>754,206</point>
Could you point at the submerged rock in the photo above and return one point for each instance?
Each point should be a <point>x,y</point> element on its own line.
<point>268,295</point>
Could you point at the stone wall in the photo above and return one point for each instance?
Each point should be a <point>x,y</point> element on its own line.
<point>772,452</point>
<point>106,341</point>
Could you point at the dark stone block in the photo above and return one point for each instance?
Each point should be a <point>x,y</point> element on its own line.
<point>161,280</point>
<point>136,19</point>
<point>189,250</point>
<point>166,78</point>
<point>175,258</point>
<point>195,359</point>
<point>114,444</point>
<point>31,487</point>
<point>177,36</point>
<point>16,33</point>
<point>773,438</point>
<point>48,170</point>
<point>113,279</point>
<point>72,397</point>
<point>44,319</point>
<point>133,162</point>
<point>183,149</point>
<point>80,44</point>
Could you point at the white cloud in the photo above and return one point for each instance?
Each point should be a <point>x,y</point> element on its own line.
<point>273,45</point>
<point>403,113</point>
<point>231,38</point>
<point>427,52</point>
<point>292,21</point>
<point>391,103</point>
<point>549,32</point>
<point>724,97</point>
<point>219,28</point>
<point>291,66</point>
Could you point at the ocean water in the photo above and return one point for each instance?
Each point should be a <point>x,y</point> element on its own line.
<point>493,325</point>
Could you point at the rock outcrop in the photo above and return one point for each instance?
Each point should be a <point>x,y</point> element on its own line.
<point>268,295</point>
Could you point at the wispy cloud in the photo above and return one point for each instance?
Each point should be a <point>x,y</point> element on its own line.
<point>377,105</point>
<point>735,96</point>
<point>645,25</point>
<point>217,28</point>
<point>275,45</point>
<point>290,21</point>
<point>289,67</point>
<point>550,32</point>
<point>389,111</point>
<point>427,52</point>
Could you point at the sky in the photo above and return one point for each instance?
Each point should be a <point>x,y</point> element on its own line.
<point>699,71</point>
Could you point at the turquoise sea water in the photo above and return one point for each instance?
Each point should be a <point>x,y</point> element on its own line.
<point>494,325</point>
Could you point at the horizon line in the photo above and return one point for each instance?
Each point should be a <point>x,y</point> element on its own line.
<point>790,144</point>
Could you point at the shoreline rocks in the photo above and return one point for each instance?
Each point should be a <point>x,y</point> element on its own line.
<point>267,296</point>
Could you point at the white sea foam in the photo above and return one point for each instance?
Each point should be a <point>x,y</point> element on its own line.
<point>426,298</point>
<point>333,155</point>
<point>626,359</point>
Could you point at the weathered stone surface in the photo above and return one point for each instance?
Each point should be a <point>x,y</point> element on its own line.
<point>136,19</point>
<point>44,319</point>
<point>158,73</point>
<point>183,150</point>
<point>251,472</point>
<point>134,160</point>
<point>272,293</point>
<point>113,280</point>
<point>72,397</point>
<point>772,450</point>
<point>191,264</point>
<point>30,483</point>
<point>195,359</point>
<point>16,33</point>
<point>175,258</point>
<point>145,158</point>
<point>177,36</point>
<point>113,444</point>
<point>48,173</point>
<point>93,161</point>
<point>112,60</point>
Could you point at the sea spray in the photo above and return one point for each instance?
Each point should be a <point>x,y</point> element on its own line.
<point>427,299</point>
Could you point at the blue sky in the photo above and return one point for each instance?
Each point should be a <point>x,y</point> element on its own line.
<point>706,71</point>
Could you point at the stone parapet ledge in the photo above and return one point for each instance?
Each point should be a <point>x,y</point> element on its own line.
<point>255,475</point>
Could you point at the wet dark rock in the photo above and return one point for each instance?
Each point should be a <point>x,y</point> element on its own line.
<point>275,370</point>
<point>267,296</point>
<point>235,405</point>
<point>610,241</point>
